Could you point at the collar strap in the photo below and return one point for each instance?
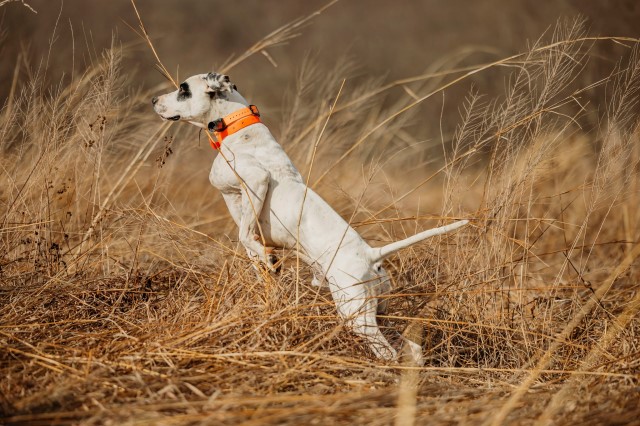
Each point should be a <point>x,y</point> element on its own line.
<point>230,124</point>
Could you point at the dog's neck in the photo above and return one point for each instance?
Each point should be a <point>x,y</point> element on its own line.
<point>222,106</point>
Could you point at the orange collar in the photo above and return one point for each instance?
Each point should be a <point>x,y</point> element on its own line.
<point>228,125</point>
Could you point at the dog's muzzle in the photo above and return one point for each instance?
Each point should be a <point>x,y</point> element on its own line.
<point>154,101</point>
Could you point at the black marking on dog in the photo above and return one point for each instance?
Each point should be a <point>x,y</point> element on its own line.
<point>218,95</point>
<point>212,78</point>
<point>218,83</point>
<point>235,87</point>
<point>183,92</point>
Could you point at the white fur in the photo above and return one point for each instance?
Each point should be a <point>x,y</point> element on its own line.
<point>264,193</point>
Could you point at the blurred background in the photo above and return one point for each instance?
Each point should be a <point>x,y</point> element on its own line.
<point>368,43</point>
<point>380,37</point>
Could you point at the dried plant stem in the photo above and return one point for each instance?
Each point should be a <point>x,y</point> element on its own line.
<point>409,379</point>
<point>306,189</point>
<point>14,83</point>
<point>279,36</point>
<point>159,63</point>
<point>456,81</point>
<point>563,336</point>
<point>127,175</point>
<point>599,348</point>
<point>24,3</point>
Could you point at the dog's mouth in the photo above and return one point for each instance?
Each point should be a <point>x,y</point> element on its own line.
<point>173,118</point>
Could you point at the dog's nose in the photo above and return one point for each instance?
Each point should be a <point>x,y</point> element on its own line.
<point>154,100</point>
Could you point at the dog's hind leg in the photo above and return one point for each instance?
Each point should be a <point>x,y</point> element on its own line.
<point>358,308</point>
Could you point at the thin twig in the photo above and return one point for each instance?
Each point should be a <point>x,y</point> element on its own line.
<point>24,3</point>
<point>279,36</point>
<point>306,189</point>
<point>159,63</point>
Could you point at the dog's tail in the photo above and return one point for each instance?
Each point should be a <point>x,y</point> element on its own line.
<point>379,253</point>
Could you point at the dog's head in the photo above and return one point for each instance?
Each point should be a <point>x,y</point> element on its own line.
<point>198,99</point>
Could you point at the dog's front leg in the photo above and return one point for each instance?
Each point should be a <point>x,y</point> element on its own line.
<point>254,191</point>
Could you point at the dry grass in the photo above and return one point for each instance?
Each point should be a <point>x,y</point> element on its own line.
<point>125,298</point>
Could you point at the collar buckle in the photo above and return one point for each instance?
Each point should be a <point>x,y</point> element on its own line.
<point>217,125</point>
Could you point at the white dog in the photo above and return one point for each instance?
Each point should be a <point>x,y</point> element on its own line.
<point>272,206</point>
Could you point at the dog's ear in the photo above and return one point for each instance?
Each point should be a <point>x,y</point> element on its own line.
<point>217,83</point>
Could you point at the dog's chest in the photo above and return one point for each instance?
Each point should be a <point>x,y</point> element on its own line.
<point>249,156</point>
<point>222,176</point>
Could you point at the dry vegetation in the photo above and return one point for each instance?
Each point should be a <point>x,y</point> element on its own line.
<point>125,299</point>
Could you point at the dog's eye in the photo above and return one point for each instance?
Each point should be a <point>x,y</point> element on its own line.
<point>184,87</point>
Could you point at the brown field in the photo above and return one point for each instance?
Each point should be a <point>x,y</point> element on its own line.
<point>125,297</point>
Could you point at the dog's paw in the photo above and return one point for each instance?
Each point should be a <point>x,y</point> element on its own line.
<point>412,353</point>
<point>319,279</point>
<point>316,282</point>
<point>272,264</point>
